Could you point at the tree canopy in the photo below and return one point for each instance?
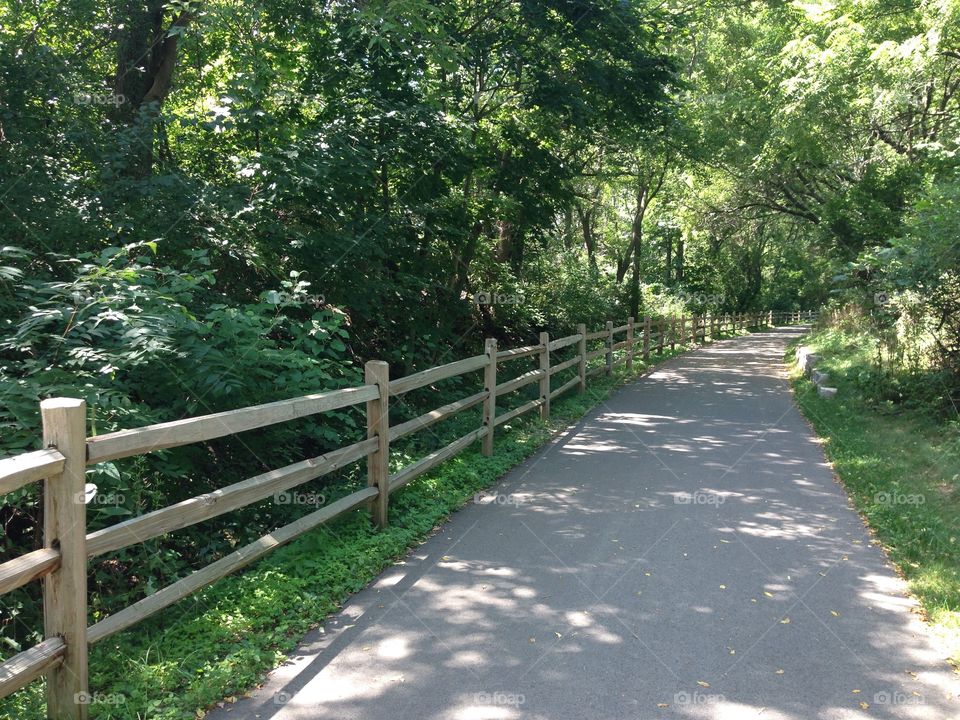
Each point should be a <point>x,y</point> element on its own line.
<point>210,204</point>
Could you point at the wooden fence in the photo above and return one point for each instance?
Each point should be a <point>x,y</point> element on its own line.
<point>61,465</point>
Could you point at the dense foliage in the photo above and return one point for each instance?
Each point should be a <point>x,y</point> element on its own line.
<point>206,205</point>
<point>211,205</point>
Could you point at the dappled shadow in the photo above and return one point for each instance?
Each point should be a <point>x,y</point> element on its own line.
<point>683,552</point>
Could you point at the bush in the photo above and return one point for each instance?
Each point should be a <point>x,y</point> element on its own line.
<point>143,343</point>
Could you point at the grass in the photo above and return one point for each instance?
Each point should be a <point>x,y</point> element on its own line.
<point>901,467</point>
<point>222,640</point>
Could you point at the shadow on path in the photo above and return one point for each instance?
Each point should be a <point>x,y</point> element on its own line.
<point>683,552</point>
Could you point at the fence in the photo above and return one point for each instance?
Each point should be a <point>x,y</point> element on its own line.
<point>61,464</point>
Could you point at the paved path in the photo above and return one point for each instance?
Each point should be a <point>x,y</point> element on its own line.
<point>683,552</point>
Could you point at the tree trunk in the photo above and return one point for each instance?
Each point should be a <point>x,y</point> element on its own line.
<point>635,283</point>
<point>668,262</point>
<point>589,241</point>
<point>146,59</point>
<point>679,260</point>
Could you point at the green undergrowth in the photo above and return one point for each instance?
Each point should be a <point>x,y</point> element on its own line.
<point>900,463</point>
<point>222,640</point>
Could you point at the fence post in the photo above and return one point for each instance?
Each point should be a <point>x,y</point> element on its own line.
<point>629,345</point>
<point>582,349</point>
<point>490,404</point>
<point>673,332</point>
<point>646,338</point>
<point>377,372</point>
<point>694,331</point>
<point>609,355</point>
<point>65,527</point>
<point>545,380</point>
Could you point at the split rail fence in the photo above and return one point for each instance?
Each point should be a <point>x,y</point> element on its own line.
<point>62,562</point>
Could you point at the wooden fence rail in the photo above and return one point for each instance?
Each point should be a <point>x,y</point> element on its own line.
<point>62,561</point>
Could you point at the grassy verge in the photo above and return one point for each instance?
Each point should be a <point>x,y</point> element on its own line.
<point>222,640</point>
<point>901,466</point>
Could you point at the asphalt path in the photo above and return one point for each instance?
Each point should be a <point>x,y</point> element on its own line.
<point>683,552</point>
